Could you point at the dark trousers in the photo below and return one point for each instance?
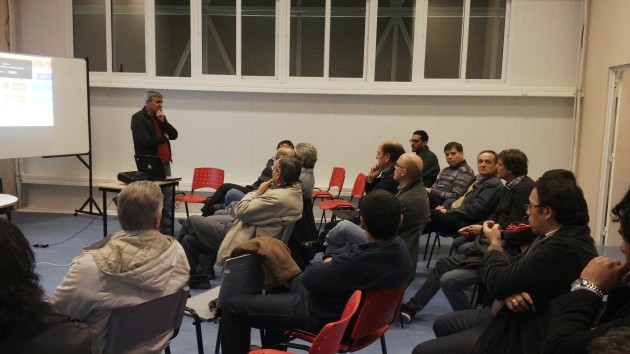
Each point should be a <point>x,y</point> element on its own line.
<point>273,312</point>
<point>219,197</point>
<point>456,332</point>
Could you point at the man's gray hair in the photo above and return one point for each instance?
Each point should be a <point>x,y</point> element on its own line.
<point>138,203</point>
<point>308,153</point>
<point>149,95</point>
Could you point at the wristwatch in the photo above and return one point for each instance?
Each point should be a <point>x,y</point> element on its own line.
<point>582,283</point>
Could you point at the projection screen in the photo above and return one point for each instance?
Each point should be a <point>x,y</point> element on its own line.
<point>43,106</point>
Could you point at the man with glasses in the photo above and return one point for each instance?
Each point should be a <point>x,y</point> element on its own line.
<point>419,144</point>
<point>558,214</point>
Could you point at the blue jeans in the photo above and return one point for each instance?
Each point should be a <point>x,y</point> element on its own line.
<point>344,232</point>
<point>456,332</point>
<point>233,195</point>
<point>448,275</point>
<point>166,224</point>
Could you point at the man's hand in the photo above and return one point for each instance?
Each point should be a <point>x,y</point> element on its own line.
<point>160,116</point>
<point>492,232</point>
<point>470,231</point>
<point>373,173</point>
<point>441,209</point>
<point>264,186</point>
<point>606,273</point>
<point>520,303</point>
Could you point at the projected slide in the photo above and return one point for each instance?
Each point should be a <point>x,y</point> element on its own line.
<point>26,91</point>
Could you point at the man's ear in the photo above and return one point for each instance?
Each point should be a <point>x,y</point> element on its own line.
<point>157,219</point>
<point>362,223</point>
<point>401,221</point>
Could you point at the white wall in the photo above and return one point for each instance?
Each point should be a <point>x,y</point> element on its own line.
<point>237,131</point>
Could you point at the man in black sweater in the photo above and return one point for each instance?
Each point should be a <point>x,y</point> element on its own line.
<point>319,294</point>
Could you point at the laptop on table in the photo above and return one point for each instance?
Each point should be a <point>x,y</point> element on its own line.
<point>152,165</point>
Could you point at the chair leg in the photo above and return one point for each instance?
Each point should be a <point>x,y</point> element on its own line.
<point>197,324</point>
<point>383,345</point>
<point>186,205</point>
<point>437,237</point>
<point>217,346</point>
<point>426,247</point>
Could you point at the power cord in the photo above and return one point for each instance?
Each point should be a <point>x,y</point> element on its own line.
<point>45,245</point>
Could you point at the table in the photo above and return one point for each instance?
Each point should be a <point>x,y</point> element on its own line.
<point>6,202</point>
<point>116,187</point>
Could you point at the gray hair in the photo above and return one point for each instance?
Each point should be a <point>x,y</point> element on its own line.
<point>138,203</point>
<point>308,153</point>
<point>149,95</point>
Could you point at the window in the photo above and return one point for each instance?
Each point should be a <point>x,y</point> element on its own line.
<point>299,40</point>
<point>128,43</point>
<point>446,29</point>
<point>89,33</point>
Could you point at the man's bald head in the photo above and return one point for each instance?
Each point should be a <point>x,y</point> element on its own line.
<point>284,151</point>
<point>412,163</point>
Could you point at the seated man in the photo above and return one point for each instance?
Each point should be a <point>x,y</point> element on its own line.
<point>263,212</point>
<point>456,273</point>
<point>476,204</point>
<point>453,180</point>
<point>380,176</point>
<point>512,167</point>
<point>126,268</point>
<point>415,210</point>
<point>419,144</point>
<point>217,200</point>
<point>575,322</point>
<point>558,214</point>
<point>319,294</point>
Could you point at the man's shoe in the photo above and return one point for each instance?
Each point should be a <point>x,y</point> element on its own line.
<point>199,283</point>
<point>405,316</point>
<point>181,221</point>
<point>313,246</point>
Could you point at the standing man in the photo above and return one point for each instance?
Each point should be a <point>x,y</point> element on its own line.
<point>419,144</point>
<point>151,136</point>
<point>453,180</point>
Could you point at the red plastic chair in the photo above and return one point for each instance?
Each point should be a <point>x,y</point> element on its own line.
<point>328,339</point>
<point>336,180</point>
<point>377,312</point>
<point>203,177</point>
<point>341,204</point>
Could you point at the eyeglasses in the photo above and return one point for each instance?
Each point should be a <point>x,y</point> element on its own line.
<point>397,165</point>
<point>415,141</point>
<point>530,206</point>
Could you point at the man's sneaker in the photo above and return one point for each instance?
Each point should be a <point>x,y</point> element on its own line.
<point>405,316</point>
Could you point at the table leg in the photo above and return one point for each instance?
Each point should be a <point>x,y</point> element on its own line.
<point>104,213</point>
<point>173,210</point>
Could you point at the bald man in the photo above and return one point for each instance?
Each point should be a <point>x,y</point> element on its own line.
<point>415,210</point>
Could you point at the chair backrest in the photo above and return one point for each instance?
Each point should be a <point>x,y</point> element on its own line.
<point>337,178</point>
<point>132,326</point>
<point>378,310</point>
<point>287,231</point>
<point>207,177</point>
<point>358,189</point>
<point>242,275</point>
<point>329,337</point>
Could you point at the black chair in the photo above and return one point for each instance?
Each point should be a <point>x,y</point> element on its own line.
<point>132,326</point>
